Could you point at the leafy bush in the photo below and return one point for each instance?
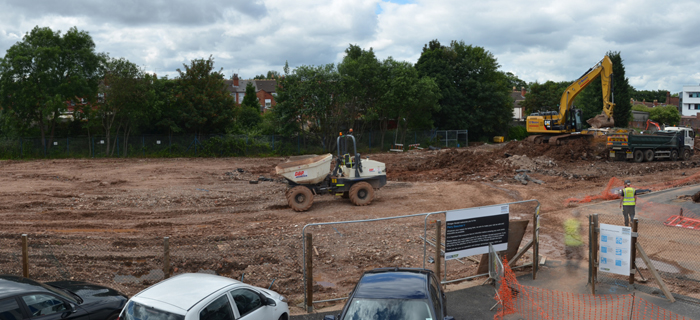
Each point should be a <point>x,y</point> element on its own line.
<point>517,133</point>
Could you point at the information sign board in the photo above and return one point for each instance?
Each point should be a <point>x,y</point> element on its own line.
<point>614,253</point>
<point>470,231</point>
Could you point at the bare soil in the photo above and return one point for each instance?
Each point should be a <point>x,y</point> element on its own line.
<point>105,220</point>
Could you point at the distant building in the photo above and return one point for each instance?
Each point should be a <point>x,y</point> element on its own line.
<point>518,99</point>
<point>265,90</point>
<point>690,100</point>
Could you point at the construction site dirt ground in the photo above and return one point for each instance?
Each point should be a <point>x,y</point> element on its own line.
<point>102,220</point>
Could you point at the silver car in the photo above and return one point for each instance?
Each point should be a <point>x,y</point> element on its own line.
<point>199,296</point>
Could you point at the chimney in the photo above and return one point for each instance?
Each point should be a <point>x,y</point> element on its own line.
<point>668,97</point>
<point>522,91</point>
<point>656,102</point>
<point>235,79</point>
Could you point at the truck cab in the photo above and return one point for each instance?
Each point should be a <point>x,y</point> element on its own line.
<point>688,135</point>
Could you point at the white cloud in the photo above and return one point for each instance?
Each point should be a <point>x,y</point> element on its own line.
<point>537,40</point>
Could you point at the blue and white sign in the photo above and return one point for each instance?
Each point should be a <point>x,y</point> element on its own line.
<point>615,245</point>
<point>470,231</point>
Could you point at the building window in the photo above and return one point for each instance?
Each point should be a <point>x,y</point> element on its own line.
<point>240,97</point>
<point>693,94</point>
<point>268,103</point>
<point>697,106</point>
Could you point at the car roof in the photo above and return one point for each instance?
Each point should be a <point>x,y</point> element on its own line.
<point>12,285</point>
<point>393,283</point>
<point>185,290</point>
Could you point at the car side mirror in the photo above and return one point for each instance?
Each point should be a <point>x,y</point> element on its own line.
<point>270,302</point>
<point>70,307</point>
<point>449,318</point>
<point>329,317</point>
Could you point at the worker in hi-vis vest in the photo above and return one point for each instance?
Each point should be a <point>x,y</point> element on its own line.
<point>628,202</point>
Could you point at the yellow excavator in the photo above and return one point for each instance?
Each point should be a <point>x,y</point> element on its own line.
<point>557,127</point>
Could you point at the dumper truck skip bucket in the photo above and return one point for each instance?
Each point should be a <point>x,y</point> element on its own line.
<point>309,169</point>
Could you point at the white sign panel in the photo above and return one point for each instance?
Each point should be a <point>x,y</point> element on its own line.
<point>614,253</point>
<point>469,231</point>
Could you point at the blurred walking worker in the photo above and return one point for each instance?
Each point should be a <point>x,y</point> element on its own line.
<point>628,202</point>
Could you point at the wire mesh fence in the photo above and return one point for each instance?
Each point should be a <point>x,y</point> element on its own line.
<point>215,145</point>
<point>673,253</point>
<point>403,242</point>
<point>132,263</point>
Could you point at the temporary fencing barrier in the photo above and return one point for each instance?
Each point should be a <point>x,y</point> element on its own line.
<point>213,145</point>
<point>528,302</point>
<point>130,264</point>
<point>399,241</point>
<point>673,256</point>
<point>683,222</point>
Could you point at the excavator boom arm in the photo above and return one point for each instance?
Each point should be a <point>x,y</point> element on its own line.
<point>602,69</point>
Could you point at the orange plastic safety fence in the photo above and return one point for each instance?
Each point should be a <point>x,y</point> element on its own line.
<point>535,303</point>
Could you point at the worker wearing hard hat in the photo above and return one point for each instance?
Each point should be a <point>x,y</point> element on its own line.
<point>628,202</point>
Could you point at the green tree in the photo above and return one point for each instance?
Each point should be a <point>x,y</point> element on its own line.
<point>362,84</point>
<point>272,74</point>
<point>648,95</point>
<point>204,104</point>
<point>662,114</point>
<point>544,96</point>
<point>249,115</point>
<point>250,99</point>
<point>621,88</point>
<point>475,94</point>
<point>128,100</point>
<point>515,82</point>
<point>310,99</point>
<point>42,73</point>
<point>408,98</point>
<point>166,112</point>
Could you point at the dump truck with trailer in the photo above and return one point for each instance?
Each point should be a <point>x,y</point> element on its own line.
<point>352,177</point>
<point>673,143</point>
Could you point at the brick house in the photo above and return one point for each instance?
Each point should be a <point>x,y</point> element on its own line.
<point>265,90</point>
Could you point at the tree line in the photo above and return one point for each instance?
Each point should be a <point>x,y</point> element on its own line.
<point>54,85</point>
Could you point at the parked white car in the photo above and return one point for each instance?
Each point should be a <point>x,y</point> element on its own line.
<point>199,296</point>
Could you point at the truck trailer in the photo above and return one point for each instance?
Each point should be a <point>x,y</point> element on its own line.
<point>673,143</point>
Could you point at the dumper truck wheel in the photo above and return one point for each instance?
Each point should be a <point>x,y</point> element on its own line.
<point>648,155</point>
<point>361,193</point>
<point>638,156</point>
<point>300,198</point>
<point>674,155</point>
<point>686,155</point>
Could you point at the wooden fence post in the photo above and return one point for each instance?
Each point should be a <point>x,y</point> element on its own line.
<point>25,257</point>
<point>309,275</point>
<point>438,244</point>
<point>166,257</point>
<point>633,259</point>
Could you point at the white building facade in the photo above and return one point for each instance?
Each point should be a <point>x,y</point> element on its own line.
<point>690,100</point>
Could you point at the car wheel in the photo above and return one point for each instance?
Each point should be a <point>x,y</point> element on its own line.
<point>638,156</point>
<point>361,193</point>
<point>674,155</point>
<point>300,198</point>
<point>648,155</point>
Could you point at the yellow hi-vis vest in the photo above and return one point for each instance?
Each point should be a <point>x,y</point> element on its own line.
<point>628,200</point>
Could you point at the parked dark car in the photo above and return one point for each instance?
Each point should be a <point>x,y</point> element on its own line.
<point>395,294</point>
<point>22,298</point>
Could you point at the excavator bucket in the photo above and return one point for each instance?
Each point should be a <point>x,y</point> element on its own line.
<point>601,121</point>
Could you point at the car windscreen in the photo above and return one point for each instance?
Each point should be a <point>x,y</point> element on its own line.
<point>388,309</point>
<point>137,311</point>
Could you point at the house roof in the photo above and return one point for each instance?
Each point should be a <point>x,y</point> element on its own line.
<point>268,86</point>
<point>517,95</point>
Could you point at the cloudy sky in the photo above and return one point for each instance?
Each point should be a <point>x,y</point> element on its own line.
<point>536,40</point>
